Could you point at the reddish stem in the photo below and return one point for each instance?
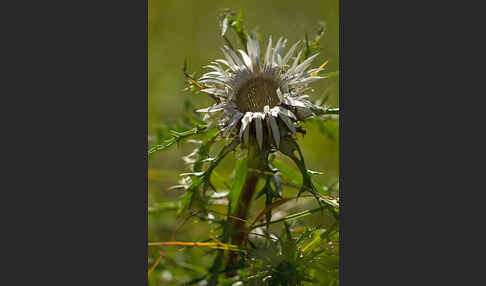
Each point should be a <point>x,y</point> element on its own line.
<point>238,232</point>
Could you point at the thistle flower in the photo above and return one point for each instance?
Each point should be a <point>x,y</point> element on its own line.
<point>268,95</point>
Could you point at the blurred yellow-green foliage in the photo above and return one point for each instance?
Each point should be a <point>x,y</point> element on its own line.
<point>179,30</point>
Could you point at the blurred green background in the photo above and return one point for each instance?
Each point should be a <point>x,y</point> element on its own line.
<point>179,30</point>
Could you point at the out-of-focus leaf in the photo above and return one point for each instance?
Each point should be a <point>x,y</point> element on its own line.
<point>238,182</point>
<point>312,46</point>
<point>199,270</point>
<point>164,206</point>
<point>224,25</point>
<point>295,178</point>
<point>288,173</point>
<point>322,100</point>
<point>229,18</point>
<point>160,175</point>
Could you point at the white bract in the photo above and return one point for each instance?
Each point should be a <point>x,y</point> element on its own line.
<point>260,94</point>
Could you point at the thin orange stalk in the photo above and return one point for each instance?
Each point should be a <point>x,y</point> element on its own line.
<point>156,263</point>
<point>162,253</point>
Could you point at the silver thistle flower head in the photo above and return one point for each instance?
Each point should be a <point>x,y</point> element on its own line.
<point>258,99</point>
